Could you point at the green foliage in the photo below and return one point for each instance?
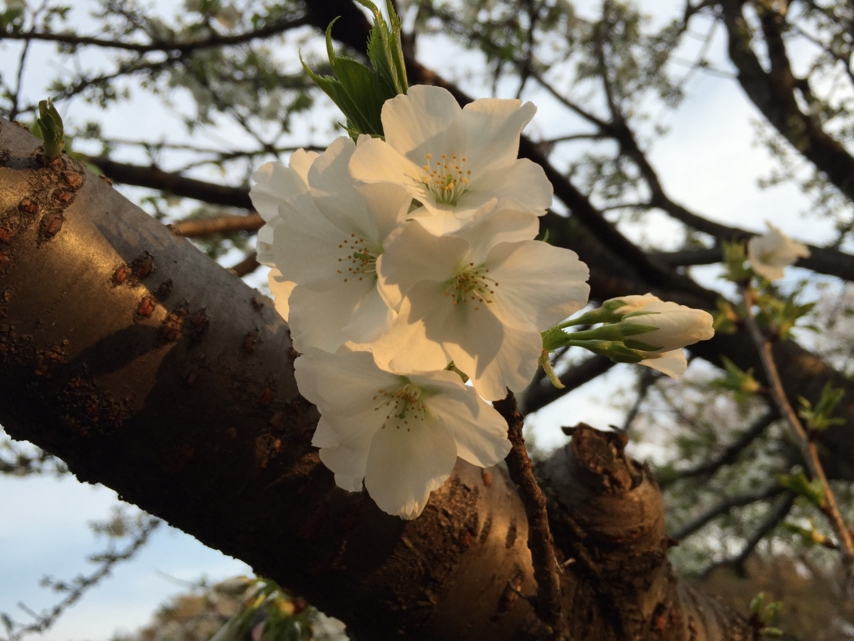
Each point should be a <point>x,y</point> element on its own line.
<point>798,483</point>
<point>809,536</point>
<point>735,255</point>
<point>358,90</point>
<point>51,129</point>
<point>819,418</point>
<point>726,318</point>
<point>742,383</point>
<point>780,315</point>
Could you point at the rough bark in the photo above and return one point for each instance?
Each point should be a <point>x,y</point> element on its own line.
<point>149,368</point>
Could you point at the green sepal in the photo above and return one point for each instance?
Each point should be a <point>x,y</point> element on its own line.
<point>53,133</point>
<point>554,338</point>
<point>646,347</point>
<point>614,350</point>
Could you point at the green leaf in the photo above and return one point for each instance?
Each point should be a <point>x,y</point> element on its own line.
<point>384,48</point>
<point>801,485</point>
<point>50,125</point>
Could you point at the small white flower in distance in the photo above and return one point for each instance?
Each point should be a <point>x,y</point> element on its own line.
<point>326,235</point>
<point>773,251</point>
<point>401,434</point>
<point>453,160</point>
<point>479,297</point>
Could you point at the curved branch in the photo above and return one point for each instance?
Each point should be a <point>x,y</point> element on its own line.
<point>724,507</point>
<point>773,93</point>
<point>728,455</point>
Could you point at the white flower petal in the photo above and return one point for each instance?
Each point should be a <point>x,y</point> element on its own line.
<point>479,431</point>
<point>538,285</point>
<point>770,253</point>
<point>281,290</point>
<point>404,465</point>
<point>325,319</point>
<point>672,363</point>
<point>417,255</point>
<point>341,384</point>
<point>274,183</point>
<point>492,128</point>
<point>524,181</point>
<point>418,118</point>
<point>493,371</point>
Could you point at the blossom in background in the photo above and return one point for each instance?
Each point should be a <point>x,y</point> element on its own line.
<point>401,434</point>
<point>326,236</point>
<point>771,252</point>
<point>453,160</point>
<point>478,297</point>
<point>673,326</point>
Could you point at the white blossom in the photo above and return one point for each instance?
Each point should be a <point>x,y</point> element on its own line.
<point>453,160</point>
<point>401,434</point>
<point>326,235</point>
<point>479,297</point>
<point>770,253</point>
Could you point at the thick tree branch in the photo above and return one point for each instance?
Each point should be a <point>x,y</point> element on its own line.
<point>773,93</point>
<point>149,368</point>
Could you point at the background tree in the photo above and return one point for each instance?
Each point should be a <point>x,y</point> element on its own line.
<point>128,401</point>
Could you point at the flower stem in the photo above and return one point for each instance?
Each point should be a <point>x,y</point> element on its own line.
<point>807,446</point>
<point>548,603</point>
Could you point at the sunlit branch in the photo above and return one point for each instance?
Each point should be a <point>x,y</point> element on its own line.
<point>806,444</point>
<point>219,225</point>
<point>549,602</point>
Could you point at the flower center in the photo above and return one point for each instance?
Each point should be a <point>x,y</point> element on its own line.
<point>404,405</point>
<point>446,178</point>
<point>358,258</point>
<point>471,284</point>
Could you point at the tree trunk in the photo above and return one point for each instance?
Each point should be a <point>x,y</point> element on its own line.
<point>149,368</point>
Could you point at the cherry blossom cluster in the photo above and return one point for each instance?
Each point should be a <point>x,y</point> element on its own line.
<point>406,265</point>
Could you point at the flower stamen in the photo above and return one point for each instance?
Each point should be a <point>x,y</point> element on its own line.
<point>473,284</point>
<point>448,179</point>
<point>360,260</point>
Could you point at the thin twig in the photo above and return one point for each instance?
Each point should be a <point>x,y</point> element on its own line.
<point>728,455</point>
<point>548,602</point>
<point>807,446</point>
<point>724,507</point>
<point>774,518</point>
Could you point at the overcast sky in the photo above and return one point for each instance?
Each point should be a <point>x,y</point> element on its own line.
<point>707,161</point>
